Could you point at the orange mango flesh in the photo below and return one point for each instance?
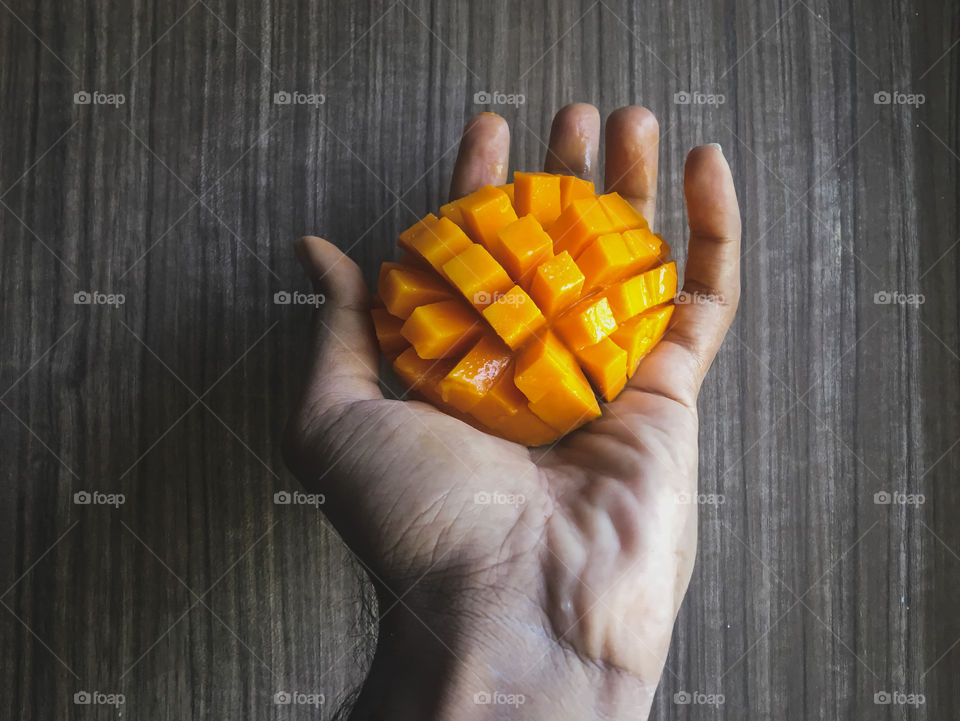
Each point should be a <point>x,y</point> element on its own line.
<point>519,304</point>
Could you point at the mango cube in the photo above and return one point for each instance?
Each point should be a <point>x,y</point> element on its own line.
<point>442,330</point>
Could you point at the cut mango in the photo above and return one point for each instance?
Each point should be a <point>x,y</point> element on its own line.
<point>639,335</point>
<point>523,246</point>
<point>537,194</point>
<point>580,222</point>
<point>403,289</point>
<point>485,213</point>
<point>572,188</point>
<point>387,327</point>
<point>605,364</point>
<point>439,242</point>
<point>477,276</point>
<point>515,317</point>
<point>566,292</point>
<point>441,330</point>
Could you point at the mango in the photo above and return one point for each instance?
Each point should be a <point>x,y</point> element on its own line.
<point>518,305</point>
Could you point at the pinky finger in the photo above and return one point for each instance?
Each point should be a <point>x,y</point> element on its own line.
<point>711,290</point>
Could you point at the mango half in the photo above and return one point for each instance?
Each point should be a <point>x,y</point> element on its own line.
<point>513,305</point>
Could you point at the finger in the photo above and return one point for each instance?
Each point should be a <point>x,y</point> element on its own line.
<point>574,142</point>
<point>342,367</point>
<point>483,157</point>
<point>632,152</point>
<point>711,289</point>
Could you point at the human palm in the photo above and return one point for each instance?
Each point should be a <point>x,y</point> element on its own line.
<point>584,548</point>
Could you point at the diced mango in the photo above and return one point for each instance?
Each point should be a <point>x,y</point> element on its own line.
<point>387,327</point>
<point>515,317</point>
<point>548,375</point>
<point>420,375</point>
<point>642,292</point>
<point>621,213</point>
<point>580,222</point>
<point>556,284</point>
<point>524,245</point>
<point>639,335</point>
<point>476,373</point>
<point>646,249</point>
<point>453,212</point>
<point>586,323</point>
<point>414,230</point>
<point>564,289</point>
<point>537,194</point>
<point>477,276</point>
<point>442,330</point>
<point>404,289</point>
<point>605,260</point>
<point>439,243</point>
<point>573,188</point>
<point>486,212</point>
<point>605,364</point>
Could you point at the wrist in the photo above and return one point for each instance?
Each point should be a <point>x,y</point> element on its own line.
<point>441,662</point>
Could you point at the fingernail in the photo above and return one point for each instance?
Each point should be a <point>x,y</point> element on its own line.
<point>717,146</point>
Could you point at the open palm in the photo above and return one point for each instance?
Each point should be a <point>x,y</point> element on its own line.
<point>586,546</point>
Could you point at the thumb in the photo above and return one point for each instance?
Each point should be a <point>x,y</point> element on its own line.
<point>343,362</point>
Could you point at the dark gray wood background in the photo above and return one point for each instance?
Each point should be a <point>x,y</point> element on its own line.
<point>199,597</point>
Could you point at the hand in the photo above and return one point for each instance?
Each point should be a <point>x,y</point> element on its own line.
<point>566,600</point>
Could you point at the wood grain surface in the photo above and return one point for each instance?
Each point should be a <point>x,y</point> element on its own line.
<point>198,597</point>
